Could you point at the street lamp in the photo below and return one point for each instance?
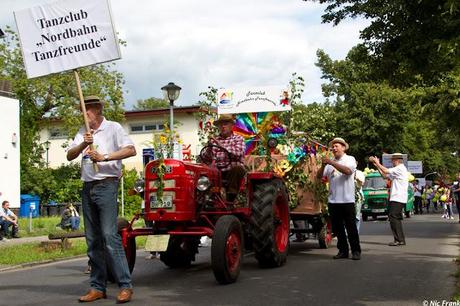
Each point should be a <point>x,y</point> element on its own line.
<point>171,93</point>
<point>47,147</point>
<point>429,174</point>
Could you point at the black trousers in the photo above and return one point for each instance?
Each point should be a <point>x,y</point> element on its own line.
<point>418,205</point>
<point>395,216</point>
<point>343,216</point>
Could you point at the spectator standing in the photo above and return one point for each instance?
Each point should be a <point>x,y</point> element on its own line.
<point>399,177</point>
<point>341,200</point>
<point>418,197</point>
<point>99,199</point>
<point>8,219</point>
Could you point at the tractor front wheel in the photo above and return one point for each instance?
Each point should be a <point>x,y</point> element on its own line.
<point>270,223</point>
<point>227,249</point>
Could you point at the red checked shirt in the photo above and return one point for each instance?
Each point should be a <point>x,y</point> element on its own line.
<point>235,146</point>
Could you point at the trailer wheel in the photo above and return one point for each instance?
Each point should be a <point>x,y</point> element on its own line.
<point>227,249</point>
<point>325,235</point>
<point>365,217</point>
<point>130,250</point>
<point>270,224</point>
<point>180,252</point>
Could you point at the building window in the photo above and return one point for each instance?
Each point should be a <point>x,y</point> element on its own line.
<point>58,133</point>
<point>146,127</point>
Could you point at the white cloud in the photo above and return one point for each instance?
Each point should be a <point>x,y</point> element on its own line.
<point>220,43</point>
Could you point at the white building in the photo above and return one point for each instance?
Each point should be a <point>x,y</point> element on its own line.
<point>140,125</point>
<point>10,178</point>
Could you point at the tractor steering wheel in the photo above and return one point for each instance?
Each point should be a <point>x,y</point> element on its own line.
<point>215,155</point>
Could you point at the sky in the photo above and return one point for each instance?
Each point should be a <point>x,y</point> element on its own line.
<point>220,43</point>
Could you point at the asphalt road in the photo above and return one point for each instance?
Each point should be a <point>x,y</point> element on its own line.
<point>421,270</point>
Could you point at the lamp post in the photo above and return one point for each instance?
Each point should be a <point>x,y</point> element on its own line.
<point>429,174</point>
<point>47,147</point>
<point>171,93</point>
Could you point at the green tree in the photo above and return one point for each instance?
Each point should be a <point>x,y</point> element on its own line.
<point>151,103</point>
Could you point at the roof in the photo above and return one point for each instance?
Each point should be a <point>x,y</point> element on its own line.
<point>162,111</point>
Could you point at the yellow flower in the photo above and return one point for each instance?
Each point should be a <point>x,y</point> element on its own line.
<point>163,139</point>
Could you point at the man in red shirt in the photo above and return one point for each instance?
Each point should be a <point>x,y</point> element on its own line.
<point>232,166</point>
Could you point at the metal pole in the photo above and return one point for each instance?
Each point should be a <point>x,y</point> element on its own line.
<point>47,160</point>
<point>30,219</point>
<point>171,127</point>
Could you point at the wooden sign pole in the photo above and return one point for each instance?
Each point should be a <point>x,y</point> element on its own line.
<point>83,109</point>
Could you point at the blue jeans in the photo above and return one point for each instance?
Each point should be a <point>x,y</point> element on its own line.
<point>100,210</point>
<point>5,228</point>
<point>74,223</point>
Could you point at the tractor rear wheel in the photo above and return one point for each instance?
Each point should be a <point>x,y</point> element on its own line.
<point>270,223</point>
<point>180,252</point>
<point>227,249</point>
<point>130,250</point>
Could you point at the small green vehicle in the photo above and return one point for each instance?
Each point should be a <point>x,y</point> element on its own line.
<point>376,191</point>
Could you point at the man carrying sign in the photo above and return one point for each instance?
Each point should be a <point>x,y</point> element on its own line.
<point>99,198</point>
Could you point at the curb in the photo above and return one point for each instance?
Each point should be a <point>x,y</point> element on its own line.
<point>39,263</point>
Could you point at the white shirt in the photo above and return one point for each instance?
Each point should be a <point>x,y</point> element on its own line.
<point>5,213</point>
<point>341,186</point>
<point>108,138</point>
<point>417,189</point>
<point>399,183</point>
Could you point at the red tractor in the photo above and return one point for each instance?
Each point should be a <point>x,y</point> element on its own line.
<point>193,205</point>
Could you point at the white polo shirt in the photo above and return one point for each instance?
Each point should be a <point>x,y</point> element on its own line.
<point>341,186</point>
<point>399,183</point>
<point>108,138</point>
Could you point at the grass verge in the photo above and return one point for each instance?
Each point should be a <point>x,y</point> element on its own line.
<point>33,252</point>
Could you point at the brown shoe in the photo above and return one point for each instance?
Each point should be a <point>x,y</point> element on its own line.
<point>124,295</point>
<point>92,295</point>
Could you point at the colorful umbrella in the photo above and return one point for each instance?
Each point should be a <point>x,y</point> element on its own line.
<point>253,127</point>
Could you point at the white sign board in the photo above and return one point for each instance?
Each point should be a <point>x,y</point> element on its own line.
<point>66,35</point>
<point>253,100</point>
<point>386,160</point>
<point>415,166</point>
<point>10,183</point>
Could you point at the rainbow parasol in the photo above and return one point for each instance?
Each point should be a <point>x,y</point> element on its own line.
<point>252,127</point>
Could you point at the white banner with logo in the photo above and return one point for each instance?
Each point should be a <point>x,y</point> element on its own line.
<point>66,35</point>
<point>253,100</point>
<point>415,166</point>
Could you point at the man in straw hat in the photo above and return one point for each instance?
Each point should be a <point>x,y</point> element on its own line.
<point>399,177</point>
<point>234,171</point>
<point>341,200</point>
<point>99,198</point>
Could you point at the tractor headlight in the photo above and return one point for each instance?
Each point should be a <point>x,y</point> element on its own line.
<point>139,186</point>
<point>203,183</point>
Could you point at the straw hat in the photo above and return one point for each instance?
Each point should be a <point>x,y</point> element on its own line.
<point>396,156</point>
<point>339,140</point>
<point>224,118</point>
<point>91,100</point>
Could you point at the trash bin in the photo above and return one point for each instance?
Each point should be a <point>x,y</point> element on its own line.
<point>29,203</point>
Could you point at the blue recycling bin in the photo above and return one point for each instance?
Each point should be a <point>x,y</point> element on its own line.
<point>29,203</point>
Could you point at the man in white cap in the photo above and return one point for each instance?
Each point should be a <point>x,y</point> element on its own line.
<point>341,200</point>
<point>399,177</point>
